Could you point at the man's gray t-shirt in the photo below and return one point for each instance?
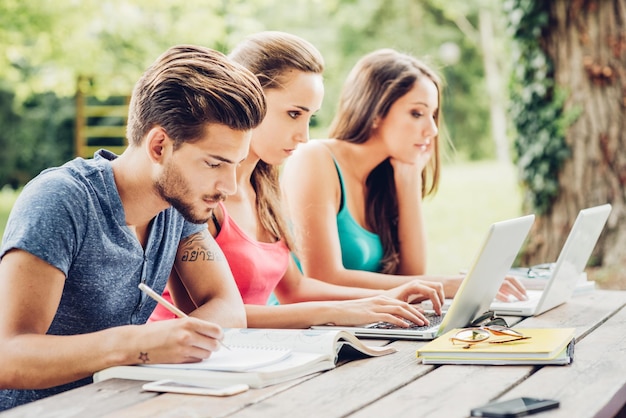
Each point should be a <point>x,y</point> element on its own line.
<point>72,218</point>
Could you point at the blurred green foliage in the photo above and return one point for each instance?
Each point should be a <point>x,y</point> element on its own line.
<point>35,134</point>
<point>49,43</point>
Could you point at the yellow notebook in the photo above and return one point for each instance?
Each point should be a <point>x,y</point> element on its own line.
<point>545,346</point>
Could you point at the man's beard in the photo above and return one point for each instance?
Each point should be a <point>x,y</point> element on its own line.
<point>173,189</point>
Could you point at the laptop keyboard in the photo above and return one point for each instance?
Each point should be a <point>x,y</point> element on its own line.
<point>432,317</point>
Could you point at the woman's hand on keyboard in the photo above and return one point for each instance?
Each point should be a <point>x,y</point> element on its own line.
<point>418,290</point>
<point>376,309</point>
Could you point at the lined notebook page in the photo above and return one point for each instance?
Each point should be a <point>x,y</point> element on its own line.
<point>237,359</point>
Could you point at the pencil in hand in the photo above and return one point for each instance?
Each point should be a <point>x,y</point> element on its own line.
<point>167,305</point>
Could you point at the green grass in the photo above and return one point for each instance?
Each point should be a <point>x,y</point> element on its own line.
<point>471,197</point>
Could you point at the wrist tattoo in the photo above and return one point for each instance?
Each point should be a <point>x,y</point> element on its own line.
<point>143,357</point>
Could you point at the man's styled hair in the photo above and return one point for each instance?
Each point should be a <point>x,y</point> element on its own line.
<point>190,86</point>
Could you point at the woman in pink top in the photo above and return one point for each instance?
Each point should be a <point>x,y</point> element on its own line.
<point>250,227</point>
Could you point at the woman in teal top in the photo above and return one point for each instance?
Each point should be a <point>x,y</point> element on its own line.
<point>360,249</point>
<point>355,200</point>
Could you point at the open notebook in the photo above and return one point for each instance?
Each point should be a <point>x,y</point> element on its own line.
<point>568,268</point>
<point>257,357</point>
<point>480,286</point>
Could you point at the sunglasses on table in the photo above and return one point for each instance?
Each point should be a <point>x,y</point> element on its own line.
<point>483,328</point>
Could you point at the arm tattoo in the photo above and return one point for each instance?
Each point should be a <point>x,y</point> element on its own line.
<point>143,357</point>
<point>197,247</point>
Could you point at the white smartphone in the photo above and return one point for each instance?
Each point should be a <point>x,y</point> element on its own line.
<point>172,386</point>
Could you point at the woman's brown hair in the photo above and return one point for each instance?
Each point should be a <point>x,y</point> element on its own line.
<point>375,83</point>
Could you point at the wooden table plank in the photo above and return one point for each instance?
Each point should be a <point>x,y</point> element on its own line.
<point>451,391</point>
<point>88,401</point>
<point>595,384</point>
<point>345,389</point>
<point>171,405</point>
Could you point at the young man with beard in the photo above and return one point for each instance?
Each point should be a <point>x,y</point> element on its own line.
<point>81,237</point>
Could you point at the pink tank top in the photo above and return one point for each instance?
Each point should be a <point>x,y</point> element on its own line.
<point>256,266</point>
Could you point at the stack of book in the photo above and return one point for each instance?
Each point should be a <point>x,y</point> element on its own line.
<point>545,346</point>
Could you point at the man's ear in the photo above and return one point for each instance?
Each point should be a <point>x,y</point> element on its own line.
<point>157,143</point>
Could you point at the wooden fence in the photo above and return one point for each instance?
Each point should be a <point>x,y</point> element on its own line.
<point>100,123</point>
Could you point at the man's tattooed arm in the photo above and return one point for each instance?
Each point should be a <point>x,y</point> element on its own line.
<point>199,247</point>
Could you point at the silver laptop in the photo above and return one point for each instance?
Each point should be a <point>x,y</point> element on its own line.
<point>476,292</point>
<point>568,268</point>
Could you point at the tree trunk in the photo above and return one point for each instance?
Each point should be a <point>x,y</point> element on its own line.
<point>587,43</point>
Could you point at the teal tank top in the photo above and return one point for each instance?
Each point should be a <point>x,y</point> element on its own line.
<point>360,248</point>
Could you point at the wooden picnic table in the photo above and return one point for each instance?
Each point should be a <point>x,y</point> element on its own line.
<point>398,385</point>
